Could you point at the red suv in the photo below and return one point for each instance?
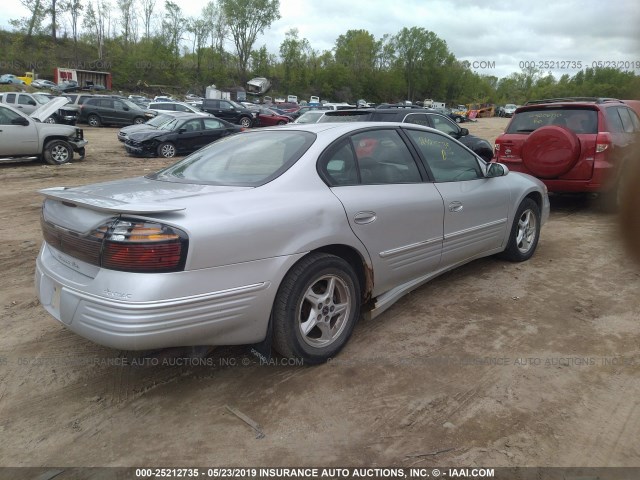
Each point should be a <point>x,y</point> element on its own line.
<point>573,144</point>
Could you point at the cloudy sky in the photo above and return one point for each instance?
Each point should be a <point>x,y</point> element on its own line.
<point>496,36</point>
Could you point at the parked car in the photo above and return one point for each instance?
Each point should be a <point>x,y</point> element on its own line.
<point>66,87</point>
<point>230,111</point>
<point>267,117</point>
<point>99,111</point>
<point>456,117</point>
<point>307,108</point>
<point>311,116</point>
<point>508,110</point>
<point>183,134</point>
<point>41,83</point>
<point>154,122</point>
<point>9,79</point>
<point>29,103</point>
<point>156,107</point>
<point>417,115</point>
<point>574,145</point>
<point>285,234</point>
<point>28,137</point>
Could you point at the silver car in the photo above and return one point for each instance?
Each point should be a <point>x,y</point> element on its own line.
<point>284,234</point>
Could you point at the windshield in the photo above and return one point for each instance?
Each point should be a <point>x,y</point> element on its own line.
<point>247,159</point>
<point>130,104</point>
<point>170,125</point>
<point>159,120</point>
<point>579,120</point>
<point>236,104</point>
<point>41,99</point>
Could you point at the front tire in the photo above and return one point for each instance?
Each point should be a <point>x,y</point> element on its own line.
<point>58,152</point>
<point>245,122</point>
<point>166,150</point>
<point>316,308</point>
<point>525,232</point>
<point>138,121</point>
<point>50,119</point>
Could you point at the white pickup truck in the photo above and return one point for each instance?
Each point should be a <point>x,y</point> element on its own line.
<point>27,137</point>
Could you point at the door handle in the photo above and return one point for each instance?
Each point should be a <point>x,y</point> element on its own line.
<point>363,218</point>
<point>456,207</point>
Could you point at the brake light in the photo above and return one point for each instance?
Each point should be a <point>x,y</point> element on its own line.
<point>145,247</point>
<point>603,141</point>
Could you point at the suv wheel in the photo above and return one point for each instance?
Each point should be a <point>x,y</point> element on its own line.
<point>245,122</point>
<point>58,152</point>
<point>50,119</point>
<point>94,121</point>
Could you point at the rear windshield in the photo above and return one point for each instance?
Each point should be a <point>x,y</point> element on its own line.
<point>247,159</point>
<point>579,120</point>
<point>345,116</point>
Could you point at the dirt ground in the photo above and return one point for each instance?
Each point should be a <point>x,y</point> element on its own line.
<point>494,364</point>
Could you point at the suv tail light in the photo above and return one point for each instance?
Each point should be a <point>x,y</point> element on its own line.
<point>603,141</point>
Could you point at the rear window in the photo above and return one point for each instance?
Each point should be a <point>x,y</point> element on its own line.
<point>579,120</point>
<point>345,116</point>
<point>249,159</point>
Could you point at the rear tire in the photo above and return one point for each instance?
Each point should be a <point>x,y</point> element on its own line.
<point>94,121</point>
<point>525,232</point>
<point>316,308</point>
<point>58,152</point>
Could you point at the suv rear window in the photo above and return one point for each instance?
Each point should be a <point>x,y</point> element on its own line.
<point>579,120</point>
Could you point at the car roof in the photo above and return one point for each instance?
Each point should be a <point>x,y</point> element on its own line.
<point>573,101</point>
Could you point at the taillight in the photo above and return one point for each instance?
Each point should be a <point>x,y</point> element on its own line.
<point>138,246</point>
<point>603,141</point>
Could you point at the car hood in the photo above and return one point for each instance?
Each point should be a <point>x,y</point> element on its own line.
<point>138,128</point>
<point>139,195</point>
<point>49,108</point>
<point>147,134</point>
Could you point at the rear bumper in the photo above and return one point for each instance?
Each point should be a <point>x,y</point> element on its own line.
<point>137,311</point>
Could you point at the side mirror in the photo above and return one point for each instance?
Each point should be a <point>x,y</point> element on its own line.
<point>496,170</point>
<point>464,132</point>
<point>182,130</point>
<point>126,109</point>
<point>32,103</point>
<point>20,121</point>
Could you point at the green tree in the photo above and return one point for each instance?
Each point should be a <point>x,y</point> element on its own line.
<point>246,19</point>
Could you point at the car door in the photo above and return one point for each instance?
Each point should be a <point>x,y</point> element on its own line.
<point>122,114</point>
<point>476,208</point>
<point>190,136</point>
<point>395,213</point>
<point>213,130</point>
<point>15,139</point>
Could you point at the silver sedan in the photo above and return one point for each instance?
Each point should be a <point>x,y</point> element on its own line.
<point>285,235</point>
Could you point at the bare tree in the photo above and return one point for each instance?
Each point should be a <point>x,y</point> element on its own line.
<point>127,19</point>
<point>33,23</point>
<point>173,26</point>
<point>98,21</point>
<point>147,12</point>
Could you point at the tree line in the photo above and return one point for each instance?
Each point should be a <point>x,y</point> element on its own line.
<point>147,45</point>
